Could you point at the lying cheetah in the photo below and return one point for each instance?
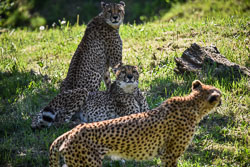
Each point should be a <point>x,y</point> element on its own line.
<point>100,48</point>
<point>165,131</point>
<point>122,99</point>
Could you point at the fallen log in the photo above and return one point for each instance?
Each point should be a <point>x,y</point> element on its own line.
<point>208,60</point>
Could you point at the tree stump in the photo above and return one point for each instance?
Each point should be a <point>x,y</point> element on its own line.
<point>208,60</point>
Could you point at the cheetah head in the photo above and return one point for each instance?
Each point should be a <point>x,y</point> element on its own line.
<point>113,13</point>
<point>127,77</point>
<point>208,96</point>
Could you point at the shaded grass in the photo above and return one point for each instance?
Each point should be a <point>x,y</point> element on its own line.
<point>33,63</point>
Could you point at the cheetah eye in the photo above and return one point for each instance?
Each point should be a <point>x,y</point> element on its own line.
<point>119,10</point>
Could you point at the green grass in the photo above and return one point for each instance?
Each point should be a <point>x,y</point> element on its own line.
<point>33,63</point>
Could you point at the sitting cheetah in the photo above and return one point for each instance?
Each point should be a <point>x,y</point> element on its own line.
<point>165,131</point>
<point>122,99</point>
<point>100,48</point>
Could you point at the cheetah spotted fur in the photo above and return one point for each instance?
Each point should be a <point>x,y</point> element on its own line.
<point>99,49</point>
<point>163,132</point>
<point>122,99</point>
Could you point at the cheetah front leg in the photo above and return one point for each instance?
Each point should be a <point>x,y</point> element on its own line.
<point>72,101</point>
<point>169,161</point>
<point>142,101</point>
<point>173,151</point>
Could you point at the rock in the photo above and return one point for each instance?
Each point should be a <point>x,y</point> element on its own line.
<point>208,60</point>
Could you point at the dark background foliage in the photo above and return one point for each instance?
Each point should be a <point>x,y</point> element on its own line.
<point>34,13</point>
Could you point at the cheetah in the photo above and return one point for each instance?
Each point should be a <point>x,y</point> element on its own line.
<point>163,132</point>
<point>122,99</point>
<point>99,49</point>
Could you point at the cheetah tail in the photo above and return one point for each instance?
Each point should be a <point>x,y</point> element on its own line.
<point>44,118</point>
<point>54,159</point>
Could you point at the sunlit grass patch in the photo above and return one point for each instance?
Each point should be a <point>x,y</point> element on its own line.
<point>33,63</point>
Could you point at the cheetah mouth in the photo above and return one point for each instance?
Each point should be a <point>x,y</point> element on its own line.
<point>115,22</point>
<point>129,82</point>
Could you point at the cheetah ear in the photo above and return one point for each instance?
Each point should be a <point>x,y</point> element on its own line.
<point>103,4</point>
<point>122,3</point>
<point>196,85</point>
<point>116,68</point>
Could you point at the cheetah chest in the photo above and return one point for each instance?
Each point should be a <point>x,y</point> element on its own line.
<point>126,105</point>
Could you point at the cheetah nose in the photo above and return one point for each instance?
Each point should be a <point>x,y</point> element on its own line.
<point>115,17</point>
<point>130,76</point>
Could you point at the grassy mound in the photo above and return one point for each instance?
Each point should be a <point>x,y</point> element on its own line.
<point>33,63</point>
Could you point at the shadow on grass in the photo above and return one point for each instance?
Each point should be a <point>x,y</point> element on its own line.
<point>208,156</point>
<point>20,93</point>
<point>204,157</point>
<point>14,82</point>
<point>23,94</point>
<point>218,126</point>
<point>166,87</point>
<point>212,142</point>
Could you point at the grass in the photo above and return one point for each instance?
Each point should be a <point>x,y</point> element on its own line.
<point>33,63</point>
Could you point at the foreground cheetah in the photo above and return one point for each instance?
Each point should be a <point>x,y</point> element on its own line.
<point>100,48</point>
<point>165,131</point>
<point>122,99</point>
